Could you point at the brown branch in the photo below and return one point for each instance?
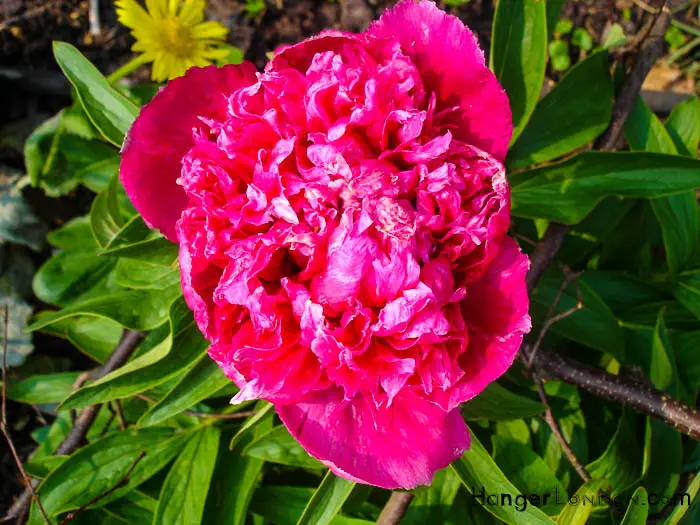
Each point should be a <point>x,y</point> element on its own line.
<point>629,392</point>
<point>84,421</point>
<point>118,485</point>
<point>3,419</point>
<point>395,508</point>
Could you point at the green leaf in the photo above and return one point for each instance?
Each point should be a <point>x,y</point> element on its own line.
<point>680,510</point>
<point>565,401</point>
<point>178,353</point>
<point>683,125</point>
<point>495,403</point>
<point>106,219</point>
<point>134,309</point>
<point>96,176</point>
<point>568,191</point>
<point>235,479</point>
<point>519,55</point>
<point>686,290</point>
<point>185,489</point>
<point>156,251</point>
<point>685,346</point>
<point>18,224</point>
<point>529,473</point>
<point>585,497</point>
<point>278,446</point>
<point>582,39</point>
<point>263,415</point>
<point>615,37</point>
<point>678,215</point>
<point>482,477</point>
<point>327,500</point>
<point>138,275</point>
<point>75,274</point>
<point>199,383</point>
<point>96,337</point>
<point>620,464</point>
<point>574,113</point>
<point>638,510</point>
<point>110,111</point>
<point>663,446</point>
<point>553,13</point>
<point>99,466</point>
<point>42,388</point>
<point>594,325</point>
<point>432,504</point>
<point>660,369</point>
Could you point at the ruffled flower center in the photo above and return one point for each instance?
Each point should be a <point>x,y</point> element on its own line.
<point>334,226</point>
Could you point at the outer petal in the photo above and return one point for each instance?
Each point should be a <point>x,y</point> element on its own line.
<point>496,311</point>
<point>396,447</point>
<point>451,64</point>
<point>164,132</point>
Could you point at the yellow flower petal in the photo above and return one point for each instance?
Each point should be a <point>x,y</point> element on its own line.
<point>192,12</point>
<point>132,15</point>
<point>210,29</point>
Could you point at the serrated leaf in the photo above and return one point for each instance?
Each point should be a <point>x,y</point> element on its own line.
<point>519,54</point>
<point>201,382</point>
<point>327,501</point>
<point>572,114</point>
<point>496,403</point>
<point>568,191</point>
<point>99,466</point>
<point>481,476</point>
<point>110,111</point>
<point>185,489</point>
<point>278,446</point>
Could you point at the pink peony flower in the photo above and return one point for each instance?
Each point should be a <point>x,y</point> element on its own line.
<point>342,224</point>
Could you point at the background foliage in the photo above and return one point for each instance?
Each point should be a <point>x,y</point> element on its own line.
<point>634,237</point>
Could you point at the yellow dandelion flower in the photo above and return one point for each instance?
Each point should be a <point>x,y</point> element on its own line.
<point>173,35</point>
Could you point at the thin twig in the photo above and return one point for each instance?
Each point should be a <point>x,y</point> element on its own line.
<point>94,18</point>
<point>3,419</point>
<point>120,414</point>
<point>85,419</point>
<point>558,434</point>
<point>395,508</point>
<point>552,319</point>
<point>119,485</point>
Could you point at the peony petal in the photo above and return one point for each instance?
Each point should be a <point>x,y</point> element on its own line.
<point>396,447</point>
<point>163,133</point>
<point>496,310</point>
<point>451,64</point>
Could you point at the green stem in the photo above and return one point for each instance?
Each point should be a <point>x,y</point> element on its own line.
<point>128,68</point>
